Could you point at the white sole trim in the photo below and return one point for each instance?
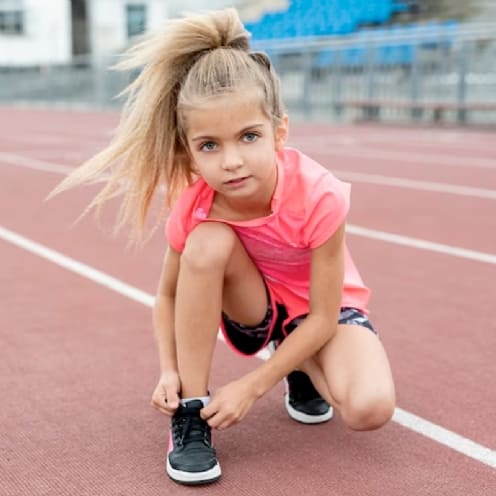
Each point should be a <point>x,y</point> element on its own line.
<point>205,477</point>
<point>303,417</point>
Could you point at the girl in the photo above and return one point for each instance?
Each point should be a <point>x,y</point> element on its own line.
<point>256,243</point>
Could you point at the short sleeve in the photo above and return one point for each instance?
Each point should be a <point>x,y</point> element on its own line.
<point>328,208</point>
<point>175,232</point>
<point>182,220</point>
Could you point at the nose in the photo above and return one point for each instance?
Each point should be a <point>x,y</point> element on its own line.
<point>232,158</point>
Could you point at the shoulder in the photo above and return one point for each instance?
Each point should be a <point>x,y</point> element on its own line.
<point>308,184</point>
<point>186,213</point>
<point>306,175</point>
<point>315,195</point>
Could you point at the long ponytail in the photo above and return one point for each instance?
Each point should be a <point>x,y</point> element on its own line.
<point>178,65</point>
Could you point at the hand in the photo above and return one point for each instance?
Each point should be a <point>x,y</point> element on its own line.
<point>165,397</point>
<point>230,404</point>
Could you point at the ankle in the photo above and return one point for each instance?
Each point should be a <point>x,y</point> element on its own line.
<point>204,399</point>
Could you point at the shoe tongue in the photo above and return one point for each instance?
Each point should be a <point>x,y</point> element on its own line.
<point>193,404</point>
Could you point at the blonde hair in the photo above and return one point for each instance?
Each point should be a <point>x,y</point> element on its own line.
<point>194,58</point>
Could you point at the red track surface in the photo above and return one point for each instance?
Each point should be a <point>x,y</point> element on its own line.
<point>78,363</point>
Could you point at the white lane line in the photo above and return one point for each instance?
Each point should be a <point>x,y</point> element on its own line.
<point>399,158</point>
<point>41,165</point>
<point>400,182</point>
<point>80,268</point>
<point>417,424</point>
<point>421,244</point>
<point>32,163</point>
<point>455,142</point>
<point>352,229</point>
<point>445,437</point>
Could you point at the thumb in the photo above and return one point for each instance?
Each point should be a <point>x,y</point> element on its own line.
<point>172,397</point>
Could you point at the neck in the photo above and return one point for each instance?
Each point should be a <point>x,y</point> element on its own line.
<point>258,205</point>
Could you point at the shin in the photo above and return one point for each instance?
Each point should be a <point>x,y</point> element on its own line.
<point>215,273</point>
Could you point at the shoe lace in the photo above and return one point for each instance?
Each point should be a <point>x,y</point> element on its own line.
<point>189,428</point>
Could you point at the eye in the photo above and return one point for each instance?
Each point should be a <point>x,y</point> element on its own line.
<point>208,146</point>
<point>250,137</point>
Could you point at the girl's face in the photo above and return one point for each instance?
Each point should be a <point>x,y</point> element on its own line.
<point>233,147</point>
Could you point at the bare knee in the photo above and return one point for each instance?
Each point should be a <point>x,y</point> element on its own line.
<point>208,247</point>
<point>368,411</point>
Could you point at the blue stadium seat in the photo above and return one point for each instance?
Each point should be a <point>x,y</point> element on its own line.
<point>311,18</point>
<point>320,18</point>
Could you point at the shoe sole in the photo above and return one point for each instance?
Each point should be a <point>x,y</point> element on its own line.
<point>194,478</point>
<point>305,418</point>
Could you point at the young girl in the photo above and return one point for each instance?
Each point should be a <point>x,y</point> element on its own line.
<point>256,243</point>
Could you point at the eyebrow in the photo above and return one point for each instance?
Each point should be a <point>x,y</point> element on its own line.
<point>247,128</point>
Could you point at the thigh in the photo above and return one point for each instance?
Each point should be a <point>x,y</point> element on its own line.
<point>213,251</point>
<point>356,367</point>
<point>245,294</point>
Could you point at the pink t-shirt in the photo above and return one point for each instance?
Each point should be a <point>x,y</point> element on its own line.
<point>308,206</point>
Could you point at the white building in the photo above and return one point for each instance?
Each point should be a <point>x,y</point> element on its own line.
<point>45,32</point>
<point>39,32</point>
<point>30,37</point>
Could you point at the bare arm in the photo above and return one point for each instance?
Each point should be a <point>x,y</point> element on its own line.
<point>326,285</point>
<point>165,396</point>
<point>163,311</point>
<point>232,402</point>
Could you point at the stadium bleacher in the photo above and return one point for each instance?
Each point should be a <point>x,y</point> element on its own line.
<point>323,17</point>
<point>363,20</point>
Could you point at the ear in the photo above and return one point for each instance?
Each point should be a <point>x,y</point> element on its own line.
<point>281,132</point>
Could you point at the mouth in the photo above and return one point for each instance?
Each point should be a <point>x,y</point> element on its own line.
<point>236,181</point>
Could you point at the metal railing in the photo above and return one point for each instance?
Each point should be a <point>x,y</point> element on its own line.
<point>419,77</point>
<point>422,76</point>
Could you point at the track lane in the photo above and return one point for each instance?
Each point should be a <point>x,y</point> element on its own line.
<point>461,221</point>
<point>472,418</point>
<point>46,135</point>
<point>406,169</point>
<point>79,422</point>
<point>399,291</point>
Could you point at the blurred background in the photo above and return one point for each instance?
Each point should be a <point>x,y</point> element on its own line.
<point>426,61</point>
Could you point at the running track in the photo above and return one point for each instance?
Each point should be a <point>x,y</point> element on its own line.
<point>77,357</point>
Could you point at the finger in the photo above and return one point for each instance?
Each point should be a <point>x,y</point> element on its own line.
<point>230,420</point>
<point>209,410</point>
<point>165,411</point>
<point>159,402</point>
<point>219,418</point>
<point>215,421</point>
<point>161,409</point>
<point>172,398</point>
<point>226,422</point>
<point>225,425</point>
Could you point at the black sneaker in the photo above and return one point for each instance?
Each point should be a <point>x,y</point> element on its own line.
<point>303,402</point>
<point>191,458</point>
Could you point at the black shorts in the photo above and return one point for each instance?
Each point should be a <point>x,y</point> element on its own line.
<point>248,340</point>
